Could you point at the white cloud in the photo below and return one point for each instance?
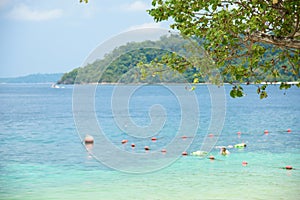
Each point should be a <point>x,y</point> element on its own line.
<point>136,6</point>
<point>23,12</point>
<point>145,25</point>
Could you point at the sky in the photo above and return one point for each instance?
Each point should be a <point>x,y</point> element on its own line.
<point>55,36</point>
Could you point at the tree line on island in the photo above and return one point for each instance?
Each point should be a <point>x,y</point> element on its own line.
<point>132,57</point>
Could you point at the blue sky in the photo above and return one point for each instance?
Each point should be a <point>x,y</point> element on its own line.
<point>52,36</point>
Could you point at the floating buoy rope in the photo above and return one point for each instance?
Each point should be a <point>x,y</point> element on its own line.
<point>89,140</point>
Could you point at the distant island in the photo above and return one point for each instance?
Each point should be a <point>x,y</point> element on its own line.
<point>34,78</point>
<point>126,58</point>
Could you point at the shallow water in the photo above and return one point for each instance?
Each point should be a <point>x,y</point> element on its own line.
<point>42,156</point>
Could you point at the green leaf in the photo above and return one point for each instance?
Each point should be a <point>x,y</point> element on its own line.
<point>284,86</point>
<point>239,93</point>
<point>263,95</point>
<point>258,90</point>
<point>192,88</point>
<point>233,93</point>
<point>196,80</point>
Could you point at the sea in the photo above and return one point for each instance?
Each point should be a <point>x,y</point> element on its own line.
<point>43,155</point>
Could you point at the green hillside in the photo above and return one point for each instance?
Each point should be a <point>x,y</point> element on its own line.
<point>125,58</point>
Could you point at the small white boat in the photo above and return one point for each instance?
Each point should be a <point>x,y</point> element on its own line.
<point>54,86</point>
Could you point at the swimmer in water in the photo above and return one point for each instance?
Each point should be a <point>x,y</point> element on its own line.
<point>224,151</point>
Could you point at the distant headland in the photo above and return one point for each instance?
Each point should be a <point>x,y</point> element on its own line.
<point>33,78</point>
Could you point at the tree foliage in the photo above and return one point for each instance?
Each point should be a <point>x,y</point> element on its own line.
<point>247,40</point>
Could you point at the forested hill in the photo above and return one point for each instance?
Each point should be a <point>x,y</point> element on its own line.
<point>124,60</point>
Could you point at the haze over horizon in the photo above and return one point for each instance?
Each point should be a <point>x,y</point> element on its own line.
<point>56,36</point>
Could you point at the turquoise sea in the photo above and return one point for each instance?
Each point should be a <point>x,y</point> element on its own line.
<point>42,156</point>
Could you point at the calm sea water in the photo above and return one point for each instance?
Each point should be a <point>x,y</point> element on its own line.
<point>42,157</point>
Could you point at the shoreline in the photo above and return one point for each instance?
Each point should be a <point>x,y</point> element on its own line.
<point>207,83</point>
<point>164,83</point>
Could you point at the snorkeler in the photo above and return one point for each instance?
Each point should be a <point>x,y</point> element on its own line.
<point>224,151</point>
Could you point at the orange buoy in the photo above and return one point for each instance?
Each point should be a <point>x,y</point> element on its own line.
<point>184,137</point>
<point>132,145</point>
<point>184,153</point>
<point>124,141</point>
<point>244,163</point>
<point>154,139</point>
<point>147,148</point>
<point>266,132</point>
<point>288,167</point>
<point>88,139</point>
<point>164,151</point>
<point>289,130</point>
<point>211,157</point>
<point>239,133</point>
<point>211,135</point>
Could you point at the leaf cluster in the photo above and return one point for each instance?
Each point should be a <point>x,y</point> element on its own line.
<point>248,41</point>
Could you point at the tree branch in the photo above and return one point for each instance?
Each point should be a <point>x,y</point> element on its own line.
<point>271,39</point>
<point>296,27</point>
